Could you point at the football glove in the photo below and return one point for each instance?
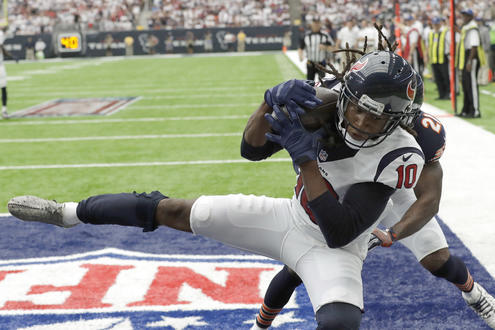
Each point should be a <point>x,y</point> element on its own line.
<point>383,238</point>
<point>291,135</point>
<point>295,90</point>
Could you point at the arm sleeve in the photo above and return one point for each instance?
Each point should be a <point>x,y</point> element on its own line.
<point>258,153</point>
<point>360,208</point>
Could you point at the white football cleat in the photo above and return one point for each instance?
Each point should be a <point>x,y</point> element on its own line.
<point>482,303</point>
<point>5,114</point>
<point>32,208</point>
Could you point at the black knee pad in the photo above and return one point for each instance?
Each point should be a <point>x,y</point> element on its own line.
<point>453,270</point>
<point>124,209</point>
<point>338,316</point>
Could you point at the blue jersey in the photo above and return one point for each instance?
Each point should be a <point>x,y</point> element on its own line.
<point>431,136</point>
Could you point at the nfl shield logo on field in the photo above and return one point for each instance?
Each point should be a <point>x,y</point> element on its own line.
<point>112,288</point>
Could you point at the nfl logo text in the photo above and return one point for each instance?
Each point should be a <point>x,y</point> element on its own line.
<point>117,289</point>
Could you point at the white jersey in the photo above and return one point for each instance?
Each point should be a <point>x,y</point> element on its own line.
<point>280,228</point>
<point>396,162</point>
<point>472,38</point>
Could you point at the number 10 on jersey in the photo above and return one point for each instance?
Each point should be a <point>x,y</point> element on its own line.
<point>406,176</point>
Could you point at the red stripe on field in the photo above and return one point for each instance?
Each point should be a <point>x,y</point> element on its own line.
<point>107,106</point>
<point>42,109</point>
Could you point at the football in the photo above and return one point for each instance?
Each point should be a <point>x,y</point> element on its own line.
<point>314,118</point>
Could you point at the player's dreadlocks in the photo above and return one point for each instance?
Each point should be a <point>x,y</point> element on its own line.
<point>383,44</point>
<point>351,54</point>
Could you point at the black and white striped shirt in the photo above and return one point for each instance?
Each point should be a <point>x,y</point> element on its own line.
<point>311,43</point>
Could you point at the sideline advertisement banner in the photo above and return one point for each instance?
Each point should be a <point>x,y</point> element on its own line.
<point>148,42</point>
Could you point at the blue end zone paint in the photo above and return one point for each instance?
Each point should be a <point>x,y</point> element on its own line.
<point>399,293</point>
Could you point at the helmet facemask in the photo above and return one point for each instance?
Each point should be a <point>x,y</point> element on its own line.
<point>371,106</point>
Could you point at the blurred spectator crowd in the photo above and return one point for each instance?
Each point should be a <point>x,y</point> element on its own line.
<point>197,14</point>
<point>27,17</point>
<point>40,16</point>
<point>340,11</point>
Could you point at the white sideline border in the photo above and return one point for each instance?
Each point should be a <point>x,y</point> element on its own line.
<point>467,205</point>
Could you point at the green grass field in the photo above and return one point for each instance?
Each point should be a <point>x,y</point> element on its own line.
<point>206,90</point>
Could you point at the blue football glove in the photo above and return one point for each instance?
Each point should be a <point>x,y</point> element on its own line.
<point>300,143</point>
<point>298,91</point>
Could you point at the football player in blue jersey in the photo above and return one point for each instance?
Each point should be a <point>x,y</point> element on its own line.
<point>416,229</point>
<point>343,186</point>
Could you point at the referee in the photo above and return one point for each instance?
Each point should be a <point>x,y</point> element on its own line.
<point>471,57</point>
<point>315,43</point>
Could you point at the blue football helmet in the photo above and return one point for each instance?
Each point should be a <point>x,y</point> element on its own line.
<point>382,83</point>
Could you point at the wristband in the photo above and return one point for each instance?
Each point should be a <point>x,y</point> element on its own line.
<point>393,235</point>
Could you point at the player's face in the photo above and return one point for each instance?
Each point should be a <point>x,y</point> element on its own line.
<point>363,124</point>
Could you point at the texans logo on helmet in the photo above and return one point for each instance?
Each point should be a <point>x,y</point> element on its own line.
<point>411,91</point>
<point>359,65</point>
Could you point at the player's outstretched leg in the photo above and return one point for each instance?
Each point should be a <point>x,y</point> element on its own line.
<point>127,209</point>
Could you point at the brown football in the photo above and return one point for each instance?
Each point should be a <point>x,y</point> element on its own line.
<point>316,117</point>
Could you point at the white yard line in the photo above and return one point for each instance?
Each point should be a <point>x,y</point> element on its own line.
<point>191,85</point>
<point>73,65</point>
<point>61,95</point>
<point>191,105</point>
<point>118,137</point>
<point>207,96</point>
<point>93,91</point>
<point>288,70</point>
<point>122,120</point>
<point>174,163</point>
<point>483,91</point>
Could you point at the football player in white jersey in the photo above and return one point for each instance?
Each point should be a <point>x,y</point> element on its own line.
<point>342,188</point>
<point>416,229</point>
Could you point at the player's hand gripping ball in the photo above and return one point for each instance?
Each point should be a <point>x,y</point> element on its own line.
<point>300,143</point>
<point>313,118</point>
<point>295,90</point>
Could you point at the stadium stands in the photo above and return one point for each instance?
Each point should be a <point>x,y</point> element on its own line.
<point>39,16</point>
